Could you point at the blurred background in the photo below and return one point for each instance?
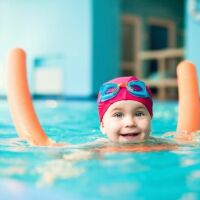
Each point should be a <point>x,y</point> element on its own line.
<point>73,46</point>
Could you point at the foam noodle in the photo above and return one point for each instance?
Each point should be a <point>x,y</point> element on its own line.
<point>20,103</point>
<point>189,106</point>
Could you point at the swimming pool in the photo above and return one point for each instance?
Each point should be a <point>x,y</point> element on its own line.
<point>28,172</point>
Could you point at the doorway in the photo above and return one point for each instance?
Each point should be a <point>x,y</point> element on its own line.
<point>162,34</point>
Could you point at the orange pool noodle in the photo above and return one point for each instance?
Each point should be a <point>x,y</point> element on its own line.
<point>189,106</point>
<point>20,102</point>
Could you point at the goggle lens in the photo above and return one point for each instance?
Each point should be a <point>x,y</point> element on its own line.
<point>133,88</point>
<point>110,90</point>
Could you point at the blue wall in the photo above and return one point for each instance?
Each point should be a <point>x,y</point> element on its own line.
<point>46,28</point>
<point>83,34</point>
<point>192,42</point>
<point>106,41</point>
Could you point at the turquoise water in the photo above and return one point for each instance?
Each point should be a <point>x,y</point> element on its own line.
<point>28,172</point>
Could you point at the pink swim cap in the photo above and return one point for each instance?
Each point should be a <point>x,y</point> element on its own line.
<point>124,94</point>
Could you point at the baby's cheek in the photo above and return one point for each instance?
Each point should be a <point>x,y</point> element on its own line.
<point>147,125</point>
<point>114,133</point>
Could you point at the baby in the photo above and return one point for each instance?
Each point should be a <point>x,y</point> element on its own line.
<point>125,110</point>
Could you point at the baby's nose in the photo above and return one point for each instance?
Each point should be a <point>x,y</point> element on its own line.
<point>130,121</point>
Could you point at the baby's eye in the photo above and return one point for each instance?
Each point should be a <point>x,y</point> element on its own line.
<point>118,114</point>
<point>139,113</point>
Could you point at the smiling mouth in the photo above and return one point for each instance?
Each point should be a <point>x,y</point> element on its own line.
<point>129,134</point>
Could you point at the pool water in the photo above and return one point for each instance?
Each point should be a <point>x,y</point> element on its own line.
<point>28,172</point>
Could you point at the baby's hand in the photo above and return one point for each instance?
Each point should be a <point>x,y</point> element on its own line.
<point>49,143</point>
<point>184,137</point>
<point>187,137</point>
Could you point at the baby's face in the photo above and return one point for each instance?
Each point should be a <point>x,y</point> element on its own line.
<point>126,121</point>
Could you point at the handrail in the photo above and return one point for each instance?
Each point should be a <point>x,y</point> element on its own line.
<point>157,54</point>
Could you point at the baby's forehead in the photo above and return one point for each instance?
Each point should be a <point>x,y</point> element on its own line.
<point>124,104</point>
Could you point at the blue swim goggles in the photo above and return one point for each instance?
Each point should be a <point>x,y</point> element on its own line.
<point>110,90</point>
